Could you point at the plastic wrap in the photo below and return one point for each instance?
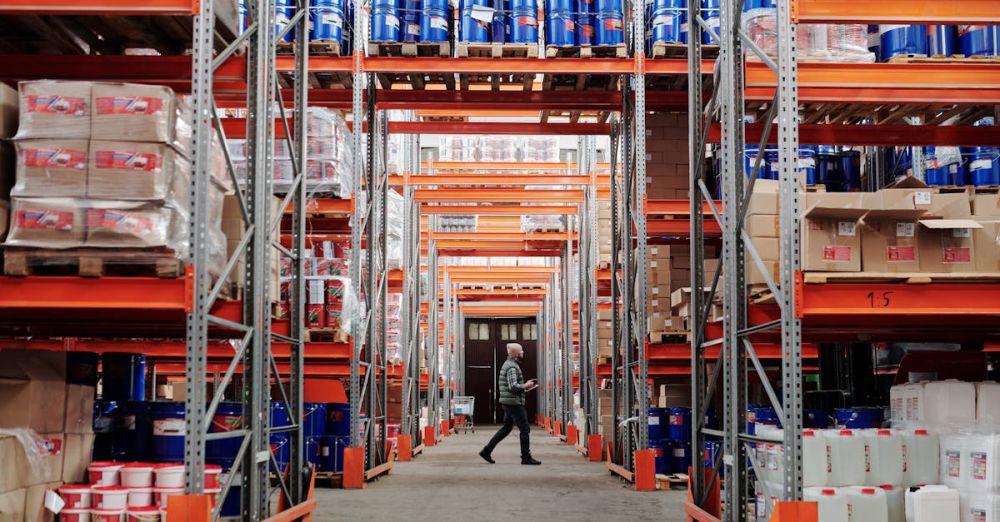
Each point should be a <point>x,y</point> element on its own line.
<point>815,42</point>
<point>331,302</point>
<point>543,223</point>
<point>539,149</point>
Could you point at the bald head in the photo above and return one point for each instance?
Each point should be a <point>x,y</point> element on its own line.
<point>514,350</point>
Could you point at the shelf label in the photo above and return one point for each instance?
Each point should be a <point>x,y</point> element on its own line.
<point>881,299</point>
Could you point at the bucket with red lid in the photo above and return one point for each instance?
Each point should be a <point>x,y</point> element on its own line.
<point>104,473</point>
<point>143,514</point>
<point>74,515</point>
<point>109,497</point>
<point>137,475</point>
<point>76,496</point>
<point>140,497</point>
<point>108,515</point>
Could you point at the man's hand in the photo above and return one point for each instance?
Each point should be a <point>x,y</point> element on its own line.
<point>530,385</point>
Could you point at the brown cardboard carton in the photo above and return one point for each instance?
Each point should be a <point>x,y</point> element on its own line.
<point>680,300</point>
<point>54,109</point>
<point>986,205</point>
<point>34,502</point>
<point>77,449</point>
<point>46,223</point>
<point>952,205</point>
<point>987,245</point>
<point>136,171</point>
<point>51,167</point>
<point>32,390</point>
<point>762,225</point>
<point>764,199</point>
<point>12,505</point>
<point>139,113</point>
<point>889,240</point>
<point>11,450</point>
<point>49,464</point>
<point>79,409</point>
<point>911,193</point>
<point>124,224</point>
<point>8,111</point>
<point>831,238</point>
<point>946,245</point>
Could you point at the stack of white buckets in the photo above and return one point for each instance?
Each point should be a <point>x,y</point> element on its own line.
<point>938,462</point>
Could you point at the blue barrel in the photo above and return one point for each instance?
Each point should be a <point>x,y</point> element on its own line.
<point>315,415</point>
<point>815,418</point>
<point>106,442</point>
<point>280,441</point>
<point>228,417</point>
<point>850,167</point>
<point>135,429</point>
<point>978,40</point>
<point>940,170</point>
<point>168,431</point>
<point>331,452</point>
<point>713,449</point>
<point>328,22</point>
<point>471,29</point>
<point>710,12</point>
<point>681,456</point>
<point>499,32</point>
<point>434,21</point>
<point>750,153</point>
<point>984,166</point>
<point>338,419</point>
<point>712,419</point>
<point>232,505</point>
<point>560,28</point>
<point>385,21</point>
<point>663,455</point>
<point>942,40</point>
<point>668,20</point>
<point>283,12</point>
<point>409,15</point>
<point>828,167</point>
<point>902,39</point>
<point>584,18</point>
<point>874,43</point>
<point>311,447</point>
<point>123,376</point>
<point>609,28</point>
<point>858,418</point>
<point>522,25</point>
<point>679,428</point>
<point>773,163</point>
<point>659,418</point>
<point>807,163</point>
<point>749,5</point>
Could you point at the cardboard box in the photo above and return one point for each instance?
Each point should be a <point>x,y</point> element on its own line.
<point>912,193</point>
<point>32,390</point>
<point>8,111</point>
<point>987,245</point>
<point>658,291</point>
<point>51,167</point>
<point>764,199</point>
<point>831,238</point>
<point>149,113</point>
<point>890,233</point>
<point>136,171</point>
<point>953,205</point>
<point>129,225</point>
<point>986,205</point>
<point>762,225</point>
<point>946,245</point>
<point>680,300</point>
<point>46,223</point>
<point>34,502</point>
<point>54,109</point>
<point>79,409</point>
<point>12,505</point>
<point>77,450</point>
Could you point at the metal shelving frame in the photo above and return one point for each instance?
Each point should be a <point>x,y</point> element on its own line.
<point>587,300</point>
<point>433,336</point>
<point>411,333</point>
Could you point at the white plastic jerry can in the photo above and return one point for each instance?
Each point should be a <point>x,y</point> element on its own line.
<point>832,504</point>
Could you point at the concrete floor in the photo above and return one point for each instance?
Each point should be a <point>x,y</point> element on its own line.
<point>450,482</point>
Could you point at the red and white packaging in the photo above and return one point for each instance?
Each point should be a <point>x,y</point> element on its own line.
<point>54,109</point>
<point>74,515</point>
<point>140,497</point>
<point>143,514</point>
<point>137,475</point>
<point>169,476</point>
<point>108,515</point>
<point>212,472</point>
<point>104,473</point>
<point>109,497</point>
<point>76,496</point>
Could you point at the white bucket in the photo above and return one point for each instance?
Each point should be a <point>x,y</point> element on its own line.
<point>982,453</point>
<point>76,496</point>
<point>109,497</point>
<point>140,497</point>
<point>107,515</point>
<point>74,515</point>
<point>143,514</point>
<point>895,501</point>
<point>884,457</point>
<point>847,457</point>
<point>169,476</point>
<point>103,473</point>
<point>949,403</point>
<point>988,404</point>
<point>137,475</point>
<point>815,466</point>
<point>832,503</point>
<point>953,461</point>
<point>921,457</point>
<point>932,504</point>
<point>866,504</point>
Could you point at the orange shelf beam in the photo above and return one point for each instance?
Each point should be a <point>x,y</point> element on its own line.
<point>675,207</point>
<point>952,12</point>
<point>101,7</point>
<point>501,210</point>
<point>481,179</point>
<point>534,166</point>
<point>504,195</point>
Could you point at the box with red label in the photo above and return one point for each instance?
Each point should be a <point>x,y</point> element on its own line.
<point>51,167</point>
<point>315,316</point>
<point>137,171</point>
<point>330,267</point>
<point>831,233</point>
<point>121,224</point>
<point>47,223</point>
<point>946,245</point>
<point>890,233</point>
<point>139,113</point>
<point>54,109</point>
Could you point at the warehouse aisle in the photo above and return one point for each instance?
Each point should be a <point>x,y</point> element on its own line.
<point>450,482</point>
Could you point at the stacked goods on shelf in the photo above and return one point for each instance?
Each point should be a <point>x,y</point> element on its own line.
<point>46,410</point>
<point>394,230</point>
<point>8,126</point>
<point>499,22</point>
<point>603,232</point>
<point>234,228</point>
<point>330,22</point>
<point>528,149</point>
<point>938,41</point>
<point>667,156</point>
<point>329,157</point>
<point>815,42</point>
<point>543,223</point>
<point>393,325</point>
<point>410,21</point>
<point>605,334</point>
<point>658,288</point>
<point>331,303</point>
<point>108,166</point>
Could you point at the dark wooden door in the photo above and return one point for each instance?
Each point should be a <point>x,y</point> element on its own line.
<point>481,367</point>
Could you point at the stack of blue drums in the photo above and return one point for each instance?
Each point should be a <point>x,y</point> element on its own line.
<point>424,21</point>
<point>937,40</point>
<point>522,24</point>
<point>663,448</point>
<point>679,435</point>
<point>609,28</point>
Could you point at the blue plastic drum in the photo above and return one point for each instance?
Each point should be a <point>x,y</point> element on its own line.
<point>106,443</point>
<point>679,428</point>
<point>123,376</point>
<point>328,21</point>
<point>902,39</point>
<point>434,21</point>
<point>135,430</point>
<point>280,441</point>
<point>773,163</point>
<point>828,167</point>
<point>850,166</point>
<point>476,18</point>
<point>978,40</point>
<point>807,163</point>
<point>499,32</point>
<point>815,418</point>
<point>314,424</point>
<point>385,21</point>
<point>667,21</point>
<point>584,18</point>
<point>228,417</point>
<point>858,418</point>
<point>984,166</point>
<point>681,456</point>
<point>311,448</point>
<point>663,455</point>
<point>283,13</point>
<point>409,15</point>
<point>750,153</point>
<point>609,28</point>
<point>168,431</point>
<point>712,450</point>
<point>710,13</point>
<point>560,27</point>
<point>338,419</point>
<point>522,25</point>
<point>659,419</point>
<point>331,453</point>
<point>942,40</point>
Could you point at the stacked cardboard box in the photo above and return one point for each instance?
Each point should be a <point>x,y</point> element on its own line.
<point>605,333</point>
<point>604,231</point>
<point>8,125</point>
<point>658,283</point>
<point>667,175</point>
<point>762,227</point>
<point>986,212</point>
<point>606,411</point>
<point>394,403</point>
<point>47,417</point>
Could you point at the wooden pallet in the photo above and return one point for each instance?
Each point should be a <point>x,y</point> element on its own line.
<point>938,58</point>
<point>908,278</point>
<point>988,189</point>
<point>326,335</point>
<point>434,49</point>
<point>680,50</point>
<point>816,188</point>
<point>93,262</point>
<point>669,336</point>
<point>324,47</point>
<point>668,482</point>
<point>760,294</point>
<point>586,51</point>
<point>495,50</point>
<point>329,479</point>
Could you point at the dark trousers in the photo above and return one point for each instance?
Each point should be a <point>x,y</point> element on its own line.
<point>513,415</point>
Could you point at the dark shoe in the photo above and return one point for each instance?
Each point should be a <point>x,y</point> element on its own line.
<point>530,462</point>
<point>486,456</point>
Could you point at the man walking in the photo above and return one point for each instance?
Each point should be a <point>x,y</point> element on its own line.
<point>512,389</point>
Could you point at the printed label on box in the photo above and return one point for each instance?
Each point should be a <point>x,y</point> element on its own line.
<point>905,229</point>
<point>48,446</point>
<point>901,254</point>
<point>45,219</point>
<point>847,228</point>
<point>59,158</point>
<point>961,232</point>
<point>956,255</point>
<point>120,160</point>
<point>129,105</point>
<point>953,463</point>
<point>53,104</point>
<point>168,427</point>
<point>978,471</point>
<point>120,221</point>
<point>837,253</point>
<point>922,198</point>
